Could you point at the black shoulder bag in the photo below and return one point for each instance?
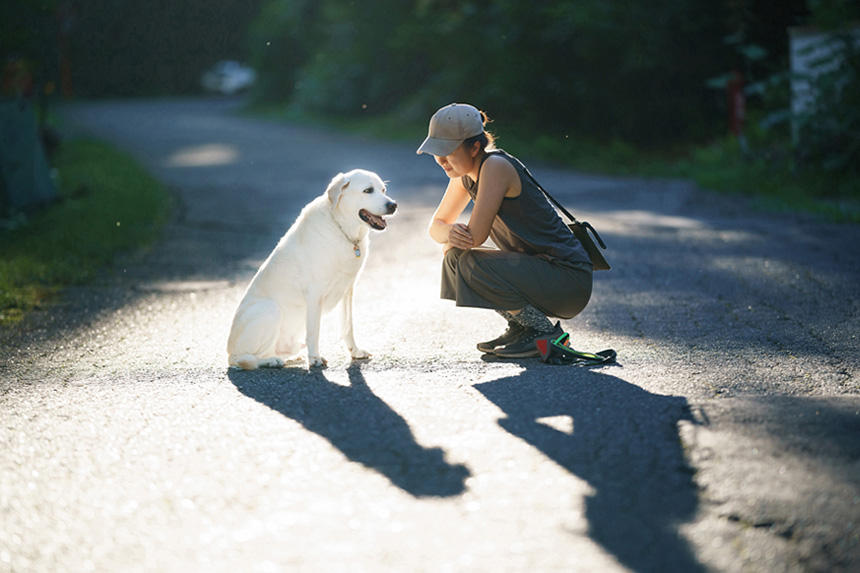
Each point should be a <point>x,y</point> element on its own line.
<point>579,229</point>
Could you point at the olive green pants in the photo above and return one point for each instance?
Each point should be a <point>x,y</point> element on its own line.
<point>503,280</point>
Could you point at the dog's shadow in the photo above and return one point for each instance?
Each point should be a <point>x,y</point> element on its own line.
<point>358,423</point>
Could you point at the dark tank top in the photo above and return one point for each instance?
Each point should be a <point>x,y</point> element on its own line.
<point>529,224</point>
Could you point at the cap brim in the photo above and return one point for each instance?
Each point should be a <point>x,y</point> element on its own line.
<point>439,147</point>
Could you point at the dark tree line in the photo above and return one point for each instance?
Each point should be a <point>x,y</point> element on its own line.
<point>624,69</point>
<point>98,48</point>
<point>641,72</point>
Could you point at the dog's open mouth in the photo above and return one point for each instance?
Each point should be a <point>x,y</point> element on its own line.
<point>375,221</point>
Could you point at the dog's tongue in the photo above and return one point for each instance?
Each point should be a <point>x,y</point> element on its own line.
<point>375,221</point>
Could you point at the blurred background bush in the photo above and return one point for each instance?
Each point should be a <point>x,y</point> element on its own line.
<point>625,74</point>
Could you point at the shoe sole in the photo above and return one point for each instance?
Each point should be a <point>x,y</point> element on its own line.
<point>523,354</point>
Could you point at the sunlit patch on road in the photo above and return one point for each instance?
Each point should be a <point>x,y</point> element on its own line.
<point>204,156</point>
<point>563,424</point>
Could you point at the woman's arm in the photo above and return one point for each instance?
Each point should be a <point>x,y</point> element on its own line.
<point>498,179</point>
<point>443,226</point>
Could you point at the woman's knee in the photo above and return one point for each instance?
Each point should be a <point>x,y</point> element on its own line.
<point>469,264</point>
<point>452,258</point>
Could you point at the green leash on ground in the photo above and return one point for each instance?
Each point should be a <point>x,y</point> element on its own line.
<point>558,351</point>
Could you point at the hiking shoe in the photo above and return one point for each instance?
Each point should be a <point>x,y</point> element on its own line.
<point>524,346</point>
<point>512,333</point>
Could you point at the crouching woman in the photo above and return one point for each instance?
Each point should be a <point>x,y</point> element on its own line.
<point>538,270</point>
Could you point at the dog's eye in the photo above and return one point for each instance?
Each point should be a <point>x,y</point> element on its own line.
<point>369,190</point>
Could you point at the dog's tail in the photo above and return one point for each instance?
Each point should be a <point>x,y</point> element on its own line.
<point>245,361</point>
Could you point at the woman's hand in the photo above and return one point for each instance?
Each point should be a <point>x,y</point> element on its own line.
<point>455,200</point>
<point>460,237</point>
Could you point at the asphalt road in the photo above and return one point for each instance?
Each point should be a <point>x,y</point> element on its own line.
<point>726,438</point>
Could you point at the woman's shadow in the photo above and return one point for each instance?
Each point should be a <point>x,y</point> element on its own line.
<point>624,442</point>
<point>357,422</point>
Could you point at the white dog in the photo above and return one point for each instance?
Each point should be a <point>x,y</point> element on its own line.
<point>313,267</point>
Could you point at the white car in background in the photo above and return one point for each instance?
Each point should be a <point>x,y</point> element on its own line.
<point>228,77</point>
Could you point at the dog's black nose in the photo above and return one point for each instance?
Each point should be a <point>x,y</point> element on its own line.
<point>392,207</point>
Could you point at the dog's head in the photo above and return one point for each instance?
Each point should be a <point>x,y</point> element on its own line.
<point>362,194</point>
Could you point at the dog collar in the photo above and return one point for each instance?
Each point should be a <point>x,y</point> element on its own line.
<point>355,248</point>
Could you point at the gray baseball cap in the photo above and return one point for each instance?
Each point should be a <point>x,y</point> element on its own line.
<point>449,127</point>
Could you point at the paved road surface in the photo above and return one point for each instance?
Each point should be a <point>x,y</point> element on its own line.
<point>727,438</point>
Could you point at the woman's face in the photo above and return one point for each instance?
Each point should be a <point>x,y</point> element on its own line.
<point>460,162</point>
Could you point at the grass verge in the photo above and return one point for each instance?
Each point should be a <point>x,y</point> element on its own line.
<point>108,204</point>
<point>773,183</point>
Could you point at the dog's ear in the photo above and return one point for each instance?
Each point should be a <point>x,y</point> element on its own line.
<point>336,187</point>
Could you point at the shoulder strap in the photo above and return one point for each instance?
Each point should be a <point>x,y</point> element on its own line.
<point>542,190</point>
<point>552,200</point>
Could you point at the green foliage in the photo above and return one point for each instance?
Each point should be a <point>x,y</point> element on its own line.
<point>775,184</point>
<point>280,40</point>
<point>807,159</point>
<point>109,205</point>
<point>829,131</point>
<point>28,33</point>
<point>621,70</point>
<point>127,47</point>
<point>833,14</point>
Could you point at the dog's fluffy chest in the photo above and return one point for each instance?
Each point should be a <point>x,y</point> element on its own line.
<point>335,271</point>
<point>316,260</point>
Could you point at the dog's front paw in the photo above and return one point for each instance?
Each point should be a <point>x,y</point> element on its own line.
<point>359,354</point>
<point>317,362</point>
<point>273,362</point>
